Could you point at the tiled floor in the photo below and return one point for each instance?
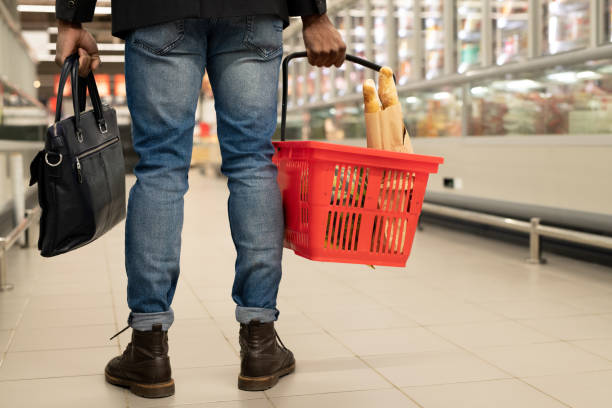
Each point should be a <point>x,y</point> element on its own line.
<point>466,324</point>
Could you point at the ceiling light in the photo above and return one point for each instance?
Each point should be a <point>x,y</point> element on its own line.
<point>37,8</point>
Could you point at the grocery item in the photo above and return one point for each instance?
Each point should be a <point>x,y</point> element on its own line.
<point>370,97</point>
<point>385,128</point>
<point>386,88</point>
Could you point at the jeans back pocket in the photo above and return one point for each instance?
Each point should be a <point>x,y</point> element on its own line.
<point>264,34</point>
<point>161,38</point>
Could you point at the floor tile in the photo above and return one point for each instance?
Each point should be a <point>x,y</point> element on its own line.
<point>381,318</point>
<point>392,341</point>
<point>529,309</point>
<point>330,375</point>
<point>89,391</point>
<point>591,304</point>
<point>73,301</point>
<point>580,390</point>
<point>254,403</point>
<point>71,288</point>
<point>13,304</point>
<point>503,333</point>
<point>207,349</point>
<point>543,359</point>
<point>574,328</point>
<point>350,302</point>
<point>197,385</point>
<point>445,311</point>
<point>5,336</point>
<point>314,346</point>
<point>52,338</point>
<point>484,394</point>
<point>295,323</point>
<point>67,317</point>
<point>601,347</point>
<point>55,363</point>
<point>359,399</point>
<point>439,367</point>
<point>9,319</point>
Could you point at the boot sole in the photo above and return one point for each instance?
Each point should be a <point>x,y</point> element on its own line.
<point>263,383</point>
<point>157,390</point>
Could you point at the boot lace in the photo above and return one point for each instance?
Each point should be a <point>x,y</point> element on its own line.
<point>279,340</point>
<point>122,330</point>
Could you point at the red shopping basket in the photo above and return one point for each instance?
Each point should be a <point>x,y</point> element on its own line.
<point>349,204</point>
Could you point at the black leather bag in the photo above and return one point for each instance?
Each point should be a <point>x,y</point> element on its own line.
<point>80,172</point>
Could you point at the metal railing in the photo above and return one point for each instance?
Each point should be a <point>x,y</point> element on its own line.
<point>533,227</point>
<point>25,226</point>
<point>24,220</point>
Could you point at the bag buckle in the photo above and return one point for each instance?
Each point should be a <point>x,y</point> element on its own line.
<point>79,135</point>
<point>102,126</point>
<point>53,164</point>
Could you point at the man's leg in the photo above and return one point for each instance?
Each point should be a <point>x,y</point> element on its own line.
<point>243,64</point>
<point>164,67</point>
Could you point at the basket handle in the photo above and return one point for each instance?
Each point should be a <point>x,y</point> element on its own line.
<point>302,54</point>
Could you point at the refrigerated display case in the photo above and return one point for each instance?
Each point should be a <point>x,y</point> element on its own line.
<point>567,25</point>
<point>469,22</point>
<point>496,97</point>
<point>339,84</point>
<point>379,15</point>
<point>511,28</point>
<point>357,46</point>
<point>432,114</point>
<point>608,19</point>
<point>434,38</point>
<point>326,83</point>
<point>569,100</point>
<point>405,33</point>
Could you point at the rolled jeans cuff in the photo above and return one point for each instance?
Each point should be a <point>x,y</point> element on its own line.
<point>145,321</point>
<point>247,314</point>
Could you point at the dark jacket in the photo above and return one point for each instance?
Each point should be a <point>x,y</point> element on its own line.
<point>130,14</point>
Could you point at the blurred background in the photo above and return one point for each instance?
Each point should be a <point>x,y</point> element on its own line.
<point>515,94</point>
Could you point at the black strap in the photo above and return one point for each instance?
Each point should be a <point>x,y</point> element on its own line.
<point>66,70</point>
<point>302,54</point>
<point>79,86</point>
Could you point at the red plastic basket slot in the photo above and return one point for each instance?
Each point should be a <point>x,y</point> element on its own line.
<point>351,204</point>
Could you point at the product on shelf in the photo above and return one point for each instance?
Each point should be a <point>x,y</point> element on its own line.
<point>434,38</point>
<point>521,116</point>
<point>511,30</point>
<point>469,15</point>
<point>568,25</point>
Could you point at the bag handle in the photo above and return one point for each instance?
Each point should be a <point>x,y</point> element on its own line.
<point>302,54</point>
<point>71,65</point>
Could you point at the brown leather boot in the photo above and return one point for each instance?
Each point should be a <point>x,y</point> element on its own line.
<point>144,366</point>
<point>262,359</point>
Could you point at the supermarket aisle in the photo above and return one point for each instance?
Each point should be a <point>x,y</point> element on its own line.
<point>466,324</point>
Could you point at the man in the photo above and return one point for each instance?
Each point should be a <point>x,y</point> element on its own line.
<point>168,46</point>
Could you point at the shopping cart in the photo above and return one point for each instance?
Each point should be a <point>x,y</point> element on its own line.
<point>349,204</point>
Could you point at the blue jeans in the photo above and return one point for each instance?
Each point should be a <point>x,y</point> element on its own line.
<point>164,66</point>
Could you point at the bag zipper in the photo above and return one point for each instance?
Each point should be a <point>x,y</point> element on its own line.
<point>90,152</point>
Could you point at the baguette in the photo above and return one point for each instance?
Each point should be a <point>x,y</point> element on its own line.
<point>370,98</point>
<point>386,88</point>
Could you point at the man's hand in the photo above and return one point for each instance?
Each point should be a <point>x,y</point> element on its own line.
<point>324,44</point>
<point>71,37</point>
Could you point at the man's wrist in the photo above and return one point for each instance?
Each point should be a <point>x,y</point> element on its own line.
<point>308,20</point>
<point>68,24</point>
